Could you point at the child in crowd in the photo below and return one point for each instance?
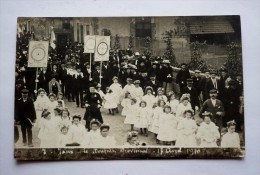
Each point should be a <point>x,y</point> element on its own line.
<point>186,131</point>
<point>47,133</point>
<point>137,91</point>
<point>117,90</point>
<point>167,132</point>
<point>110,101</point>
<point>157,112</point>
<point>105,140</point>
<point>173,102</point>
<point>149,98</point>
<point>53,102</point>
<point>208,133</point>
<point>99,91</point>
<point>77,130</point>
<point>143,118</point>
<point>126,103</point>
<point>60,105</point>
<point>231,138</point>
<point>183,106</point>
<point>160,95</point>
<point>132,139</point>
<point>63,137</point>
<point>65,118</point>
<point>131,116</point>
<point>94,133</point>
<point>60,99</point>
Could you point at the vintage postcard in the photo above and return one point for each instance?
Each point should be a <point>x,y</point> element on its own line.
<point>128,88</point>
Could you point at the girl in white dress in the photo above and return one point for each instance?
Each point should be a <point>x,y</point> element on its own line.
<point>128,87</point>
<point>157,113</point>
<point>149,98</point>
<point>183,106</point>
<point>132,139</point>
<point>53,102</point>
<point>137,92</point>
<point>231,138</point>
<point>186,131</point>
<point>167,132</point>
<point>77,131</point>
<point>160,95</point>
<point>110,101</point>
<point>47,133</point>
<point>173,102</point>
<point>99,91</point>
<point>117,90</point>
<point>40,104</point>
<point>208,133</point>
<point>105,140</point>
<point>63,137</point>
<point>60,98</point>
<point>143,118</point>
<point>126,103</point>
<point>93,135</point>
<point>131,116</point>
<point>65,118</point>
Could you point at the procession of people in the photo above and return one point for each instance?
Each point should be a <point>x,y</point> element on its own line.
<point>174,106</point>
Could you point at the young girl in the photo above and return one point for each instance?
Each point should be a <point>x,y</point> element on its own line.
<point>40,104</point>
<point>110,101</point>
<point>131,116</point>
<point>231,138</point>
<point>149,98</point>
<point>48,132</point>
<point>94,133</point>
<point>60,99</point>
<point>77,130</point>
<point>105,141</point>
<point>117,90</point>
<point>65,118</point>
<point>137,91</point>
<point>63,137</point>
<point>53,103</point>
<point>126,103</point>
<point>160,95</point>
<point>132,139</point>
<point>157,112</point>
<point>186,131</point>
<point>208,132</point>
<point>173,102</point>
<point>99,91</point>
<point>183,106</point>
<point>143,118</point>
<point>167,132</point>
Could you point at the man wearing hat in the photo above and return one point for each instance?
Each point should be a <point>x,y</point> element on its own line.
<point>215,107</point>
<point>107,73</point>
<point>182,76</point>
<point>43,79</point>
<point>222,83</point>
<point>26,115</point>
<point>93,103</point>
<point>196,79</point>
<point>62,76</point>
<point>202,84</point>
<point>153,83</point>
<point>194,97</point>
<point>78,86</point>
<point>213,83</point>
<point>154,69</point>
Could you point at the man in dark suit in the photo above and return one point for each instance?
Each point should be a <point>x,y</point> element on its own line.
<point>182,76</point>
<point>107,74</point>
<point>215,107</point>
<point>153,83</point>
<point>213,83</point>
<point>194,98</point>
<point>62,77</point>
<point>26,115</point>
<point>44,78</point>
<point>196,79</point>
<point>202,85</point>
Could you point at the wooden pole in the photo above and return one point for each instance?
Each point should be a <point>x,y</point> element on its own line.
<point>100,72</point>
<point>90,63</point>
<point>36,82</point>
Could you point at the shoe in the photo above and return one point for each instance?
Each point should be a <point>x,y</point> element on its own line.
<point>30,145</point>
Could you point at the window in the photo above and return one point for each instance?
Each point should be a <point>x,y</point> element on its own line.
<point>87,30</point>
<point>77,32</point>
<point>66,25</point>
<point>81,34</point>
<point>143,29</point>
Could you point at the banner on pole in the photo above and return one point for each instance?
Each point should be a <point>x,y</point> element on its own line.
<point>89,44</point>
<point>38,53</point>
<point>102,48</point>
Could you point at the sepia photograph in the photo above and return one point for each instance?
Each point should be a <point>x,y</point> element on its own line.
<point>128,88</point>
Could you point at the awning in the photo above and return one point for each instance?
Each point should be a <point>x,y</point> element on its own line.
<point>211,26</point>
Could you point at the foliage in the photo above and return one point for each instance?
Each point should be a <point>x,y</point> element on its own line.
<point>117,43</point>
<point>169,53</point>
<point>131,44</point>
<point>147,47</point>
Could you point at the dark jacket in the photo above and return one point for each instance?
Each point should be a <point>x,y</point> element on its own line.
<point>24,111</point>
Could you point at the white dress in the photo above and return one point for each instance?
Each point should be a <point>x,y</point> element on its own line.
<point>208,134</point>
<point>65,122</point>
<point>157,112</point>
<point>167,127</point>
<point>110,101</point>
<point>186,133</point>
<point>230,140</point>
<point>105,142</point>
<point>150,100</point>
<point>77,132</point>
<point>48,134</point>
<point>128,88</point>
<point>126,103</point>
<point>40,104</point>
<point>137,93</point>
<point>117,90</point>
<point>173,104</point>
<point>63,140</point>
<point>131,116</point>
<point>143,118</point>
<point>101,93</point>
<point>181,109</point>
<point>52,106</point>
<point>161,97</point>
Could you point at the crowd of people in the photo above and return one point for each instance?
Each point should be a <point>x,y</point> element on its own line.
<point>205,110</point>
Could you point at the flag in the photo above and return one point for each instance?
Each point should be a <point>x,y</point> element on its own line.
<point>52,39</point>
